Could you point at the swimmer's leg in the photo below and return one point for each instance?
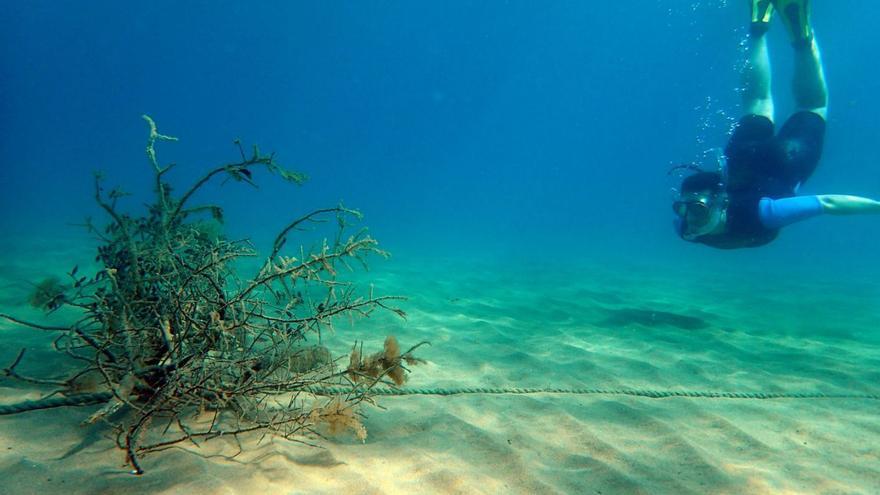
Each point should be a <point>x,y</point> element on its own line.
<point>756,73</point>
<point>810,92</point>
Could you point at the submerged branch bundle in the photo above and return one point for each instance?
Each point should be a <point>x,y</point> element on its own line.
<point>178,347</point>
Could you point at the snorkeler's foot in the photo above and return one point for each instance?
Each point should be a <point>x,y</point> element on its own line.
<point>795,14</point>
<point>762,11</point>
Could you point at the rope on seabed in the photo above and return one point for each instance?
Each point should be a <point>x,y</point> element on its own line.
<point>50,402</point>
<point>101,397</point>
<point>651,394</point>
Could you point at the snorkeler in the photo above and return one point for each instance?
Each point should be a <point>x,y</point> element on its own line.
<point>754,192</point>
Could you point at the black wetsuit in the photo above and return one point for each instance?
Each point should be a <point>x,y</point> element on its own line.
<point>763,165</point>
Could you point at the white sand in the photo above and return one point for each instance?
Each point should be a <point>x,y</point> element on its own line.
<point>492,325</point>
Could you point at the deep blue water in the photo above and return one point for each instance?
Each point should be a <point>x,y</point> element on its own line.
<point>534,129</point>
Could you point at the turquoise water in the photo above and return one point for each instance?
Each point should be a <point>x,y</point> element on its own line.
<point>512,157</point>
<point>539,325</point>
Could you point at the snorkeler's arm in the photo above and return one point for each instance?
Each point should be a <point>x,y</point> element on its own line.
<point>842,204</point>
<point>777,213</point>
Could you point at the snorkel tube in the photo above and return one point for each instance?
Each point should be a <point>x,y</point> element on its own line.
<point>721,164</point>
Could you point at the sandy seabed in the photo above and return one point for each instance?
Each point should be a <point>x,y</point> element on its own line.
<point>493,324</point>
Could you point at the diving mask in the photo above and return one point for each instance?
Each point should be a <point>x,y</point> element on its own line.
<point>694,211</point>
<point>700,214</point>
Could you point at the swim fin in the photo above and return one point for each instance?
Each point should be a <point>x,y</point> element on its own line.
<point>762,11</point>
<point>795,14</point>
